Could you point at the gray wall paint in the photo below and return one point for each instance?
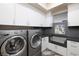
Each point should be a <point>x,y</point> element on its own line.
<point>73,31</point>
<point>60,17</point>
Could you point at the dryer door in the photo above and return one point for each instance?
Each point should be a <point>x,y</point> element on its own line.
<point>35,41</point>
<point>14,45</point>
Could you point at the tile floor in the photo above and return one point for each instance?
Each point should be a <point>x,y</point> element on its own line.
<point>48,52</point>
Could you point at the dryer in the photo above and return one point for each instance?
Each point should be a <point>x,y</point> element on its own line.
<point>13,42</point>
<point>34,42</point>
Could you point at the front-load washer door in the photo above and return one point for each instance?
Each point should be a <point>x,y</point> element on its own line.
<point>14,45</point>
<point>35,41</point>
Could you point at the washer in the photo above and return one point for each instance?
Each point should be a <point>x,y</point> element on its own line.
<point>13,42</point>
<point>34,42</point>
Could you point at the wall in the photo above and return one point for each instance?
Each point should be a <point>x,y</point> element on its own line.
<point>60,17</point>
<point>57,18</point>
<point>73,33</point>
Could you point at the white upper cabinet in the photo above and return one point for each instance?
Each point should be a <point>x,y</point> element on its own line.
<point>7,12</point>
<point>27,15</point>
<point>21,15</point>
<point>73,14</point>
<point>35,17</point>
<point>48,22</point>
<point>24,15</point>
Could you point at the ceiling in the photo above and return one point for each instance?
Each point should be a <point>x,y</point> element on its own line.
<point>49,6</point>
<point>46,7</point>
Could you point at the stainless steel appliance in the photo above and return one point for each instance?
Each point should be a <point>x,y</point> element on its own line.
<point>34,42</point>
<point>13,42</point>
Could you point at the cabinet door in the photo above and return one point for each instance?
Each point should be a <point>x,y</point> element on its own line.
<point>49,20</point>
<point>7,12</point>
<point>73,14</point>
<point>44,43</point>
<point>72,48</point>
<point>21,15</point>
<point>35,17</point>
